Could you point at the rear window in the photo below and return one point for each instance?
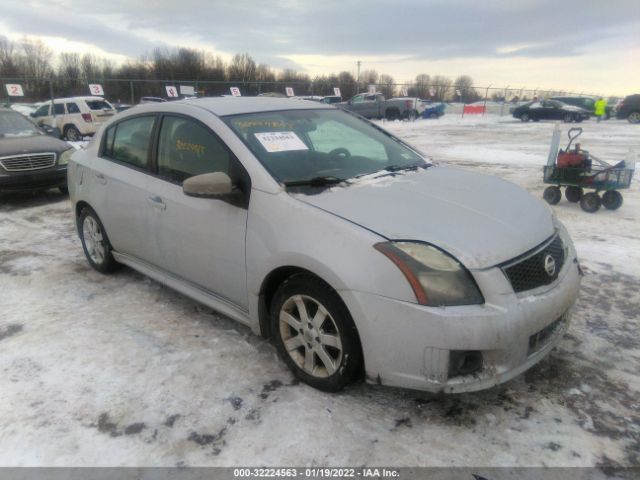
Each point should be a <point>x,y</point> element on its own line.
<point>98,105</point>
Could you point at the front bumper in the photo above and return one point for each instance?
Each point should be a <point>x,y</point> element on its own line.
<point>410,345</point>
<point>33,179</point>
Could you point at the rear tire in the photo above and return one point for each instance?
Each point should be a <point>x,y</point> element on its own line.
<point>573,194</point>
<point>590,202</point>
<point>552,195</point>
<point>612,200</point>
<point>392,114</point>
<point>315,334</point>
<point>72,134</point>
<point>525,117</point>
<point>95,242</point>
<point>634,117</point>
<point>568,118</point>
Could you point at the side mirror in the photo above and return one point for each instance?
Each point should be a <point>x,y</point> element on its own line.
<point>208,185</point>
<point>32,114</point>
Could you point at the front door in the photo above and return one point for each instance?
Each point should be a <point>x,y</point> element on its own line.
<point>201,240</point>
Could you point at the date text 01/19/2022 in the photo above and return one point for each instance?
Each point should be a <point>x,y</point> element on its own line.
<point>317,472</point>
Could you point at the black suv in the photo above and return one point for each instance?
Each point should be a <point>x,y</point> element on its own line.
<point>629,108</point>
<point>588,103</point>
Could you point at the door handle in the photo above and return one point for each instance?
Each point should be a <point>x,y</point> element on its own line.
<point>101,178</point>
<point>157,202</point>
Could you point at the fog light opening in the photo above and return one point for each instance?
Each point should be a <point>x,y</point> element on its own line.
<point>464,362</point>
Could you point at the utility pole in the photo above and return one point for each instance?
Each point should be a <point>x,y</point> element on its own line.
<point>358,77</point>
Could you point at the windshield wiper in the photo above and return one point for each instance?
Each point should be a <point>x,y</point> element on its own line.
<point>315,182</point>
<point>411,166</point>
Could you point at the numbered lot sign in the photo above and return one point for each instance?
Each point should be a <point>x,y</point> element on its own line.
<point>235,91</point>
<point>336,91</point>
<point>172,92</point>
<point>372,89</point>
<point>404,92</point>
<point>432,92</point>
<point>96,89</point>
<point>14,90</point>
<point>289,91</point>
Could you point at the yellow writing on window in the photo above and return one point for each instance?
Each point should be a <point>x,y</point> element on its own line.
<point>189,147</point>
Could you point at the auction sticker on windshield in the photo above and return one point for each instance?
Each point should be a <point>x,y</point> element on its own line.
<point>280,141</point>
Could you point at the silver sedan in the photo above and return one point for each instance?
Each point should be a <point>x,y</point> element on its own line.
<point>360,257</point>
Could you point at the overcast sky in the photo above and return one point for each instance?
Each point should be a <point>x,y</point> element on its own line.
<point>590,45</point>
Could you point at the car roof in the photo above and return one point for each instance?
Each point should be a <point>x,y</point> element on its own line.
<point>69,99</point>
<point>222,106</point>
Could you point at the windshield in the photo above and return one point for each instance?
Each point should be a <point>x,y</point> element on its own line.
<point>299,145</point>
<point>13,124</point>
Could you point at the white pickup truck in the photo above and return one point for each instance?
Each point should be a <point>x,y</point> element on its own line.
<point>376,106</point>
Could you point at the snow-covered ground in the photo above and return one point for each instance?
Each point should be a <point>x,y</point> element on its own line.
<point>119,370</point>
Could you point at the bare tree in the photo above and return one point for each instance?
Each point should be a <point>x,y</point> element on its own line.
<point>464,85</point>
<point>242,68</point>
<point>387,86</point>
<point>441,87</point>
<point>421,86</point>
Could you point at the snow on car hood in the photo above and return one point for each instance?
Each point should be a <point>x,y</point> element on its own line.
<point>479,219</point>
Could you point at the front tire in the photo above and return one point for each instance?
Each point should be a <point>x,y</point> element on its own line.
<point>634,117</point>
<point>568,118</point>
<point>525,117</point>
<point>314,333</point>
<point>95,242</point>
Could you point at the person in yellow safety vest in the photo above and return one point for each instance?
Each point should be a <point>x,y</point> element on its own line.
<point>600,108</point>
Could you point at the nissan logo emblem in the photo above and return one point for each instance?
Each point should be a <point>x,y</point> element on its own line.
<point>550,265</point>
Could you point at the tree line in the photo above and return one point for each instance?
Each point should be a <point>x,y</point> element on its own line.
<point>31,62</point>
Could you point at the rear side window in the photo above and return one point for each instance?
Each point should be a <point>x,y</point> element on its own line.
<point>58,108</point>
<point>187,148</point>
<point>72,108</point>
<point>98,105</point>
<point>128,141</point>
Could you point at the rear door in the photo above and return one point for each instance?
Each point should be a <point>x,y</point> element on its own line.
<point>120,186</point>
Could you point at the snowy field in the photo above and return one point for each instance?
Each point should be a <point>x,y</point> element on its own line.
<point>119,370</point>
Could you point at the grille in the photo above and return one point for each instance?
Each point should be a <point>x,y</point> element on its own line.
<point>21,163</point>
<point>535,269</point>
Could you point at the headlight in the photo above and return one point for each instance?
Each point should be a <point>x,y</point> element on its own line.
<point>66,155</point>
<point>436,277</point>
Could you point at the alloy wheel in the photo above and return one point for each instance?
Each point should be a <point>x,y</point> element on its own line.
<point>93,240</point>
<point>310,336</point>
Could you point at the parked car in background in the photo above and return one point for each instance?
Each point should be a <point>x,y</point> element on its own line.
<point>433,110</point>
<point>121,106</point>
<point>25,109</point>
<point>550,110</point>
<point>144,100</point>
<point>316,227</point>
<point>76,117</point>
<point>629,109</point>
<point>29,158</point>
<point>588,103</point>
<point>377,106</point>
<point>331,99</point>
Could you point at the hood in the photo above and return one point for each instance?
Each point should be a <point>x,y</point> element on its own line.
<point>479,219</point>
<point>31,144</point>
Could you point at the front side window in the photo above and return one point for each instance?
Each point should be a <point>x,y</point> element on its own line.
<point>358,99</point>
<point>128,141</point>
<point>187,148</point>
<point>299,145</point>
